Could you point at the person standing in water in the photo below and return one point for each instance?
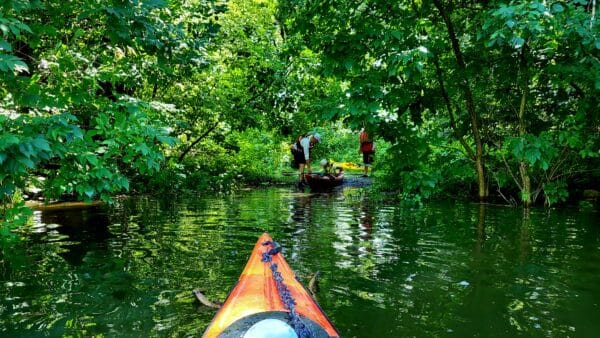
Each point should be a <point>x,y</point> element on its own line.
<point>301,151</point>
<point>367,148</point>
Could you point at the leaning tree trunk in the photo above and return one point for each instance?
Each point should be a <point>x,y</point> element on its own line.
<point>468,96</point>
<point>193,144</point>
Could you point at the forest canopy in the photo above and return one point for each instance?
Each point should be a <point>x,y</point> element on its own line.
<point>495,99</point>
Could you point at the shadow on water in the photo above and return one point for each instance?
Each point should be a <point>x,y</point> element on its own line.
<point>85,229</point>
<point>448,270</point>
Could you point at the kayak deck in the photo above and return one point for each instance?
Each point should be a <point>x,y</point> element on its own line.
<point>256,297</point>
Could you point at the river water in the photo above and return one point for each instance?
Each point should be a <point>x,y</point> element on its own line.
<point>453,269</point>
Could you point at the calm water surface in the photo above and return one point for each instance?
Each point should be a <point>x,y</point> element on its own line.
<point>447,270</point>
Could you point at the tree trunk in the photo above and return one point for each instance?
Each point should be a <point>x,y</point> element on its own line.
<point>525,184</point>
<point>523,166</point>
<point>468,96</point>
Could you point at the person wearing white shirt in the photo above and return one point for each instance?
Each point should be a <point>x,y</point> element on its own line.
<point>301,151</point>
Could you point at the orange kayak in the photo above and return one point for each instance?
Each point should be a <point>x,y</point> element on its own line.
<point>269,298</point>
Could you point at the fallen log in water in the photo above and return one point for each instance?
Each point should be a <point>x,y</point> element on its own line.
<point>37,205</point>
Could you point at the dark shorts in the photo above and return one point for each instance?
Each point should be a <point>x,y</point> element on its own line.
<point>368,157</point>
<point>298,157</point>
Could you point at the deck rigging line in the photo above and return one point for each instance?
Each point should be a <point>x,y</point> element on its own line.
<point>284,293</point>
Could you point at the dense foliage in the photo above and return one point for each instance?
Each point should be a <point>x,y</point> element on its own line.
<point>492,98</point>
<point>507,88</point>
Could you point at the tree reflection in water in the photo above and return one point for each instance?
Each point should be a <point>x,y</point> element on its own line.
<point>447,269</point>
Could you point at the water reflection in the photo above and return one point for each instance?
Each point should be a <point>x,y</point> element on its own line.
<point>366,220</point>
<point>300,208</point>
<point>455,269</point>
<point>81,229</point>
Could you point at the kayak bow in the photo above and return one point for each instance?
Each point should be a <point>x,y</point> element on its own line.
<point>255,303</point>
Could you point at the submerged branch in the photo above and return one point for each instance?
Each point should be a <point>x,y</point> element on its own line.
<point>313,284</point>
<point>205,301</point>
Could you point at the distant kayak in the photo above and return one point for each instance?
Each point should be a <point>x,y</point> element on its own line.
<point>269,299</point>
<point>323,182</point>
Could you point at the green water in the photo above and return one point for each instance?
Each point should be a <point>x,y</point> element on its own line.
<point>447,270</point>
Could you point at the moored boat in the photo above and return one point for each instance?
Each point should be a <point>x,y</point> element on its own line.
<point>269,298</point>
<point>323,182</point>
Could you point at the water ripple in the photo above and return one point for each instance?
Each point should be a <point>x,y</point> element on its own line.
<point>448,269</point>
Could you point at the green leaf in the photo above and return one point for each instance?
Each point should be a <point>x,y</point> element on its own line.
<point>89,191</point>
<point>120,120</point>
<point>532,155</point>
<point>4,231</point>
<point>168,140</point>
<point>557,8</point>
<point>397,35</point>
<point>132,108</point>
<point>155,3</point>
<point>15,30</point>
<point>89,134</point>
<point>23,27</point>
<point>143,148</point>
<point>75,133</point>
<point>516,146</point>
<point>41,144</point>
<point>517,42</point>
<point>26,162</point>
<point>490,43</point>
<point>123,182</point>
<point>78,33</point>
<point>7,188</point>
<point>348,63</point>
<point>506,11</point>
<point>26,149</point>
<point>5,46</point>
<point>92,159</point>
<point>8,140</point>
<point>11,63</point>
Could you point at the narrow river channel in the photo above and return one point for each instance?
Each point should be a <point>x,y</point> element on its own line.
<point>453,269</point>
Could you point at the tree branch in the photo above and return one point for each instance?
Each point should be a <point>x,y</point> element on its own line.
<point>196,141</point>
<point>511,173</point>
<point>457,134</point>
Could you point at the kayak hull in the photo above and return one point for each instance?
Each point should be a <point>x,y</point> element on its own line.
<point>323,182</point>
<point>255,297</point>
